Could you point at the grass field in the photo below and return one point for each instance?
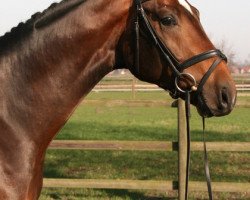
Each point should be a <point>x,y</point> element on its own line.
<point>117,116</point>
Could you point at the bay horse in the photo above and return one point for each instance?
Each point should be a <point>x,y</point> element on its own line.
<point>49,63</point>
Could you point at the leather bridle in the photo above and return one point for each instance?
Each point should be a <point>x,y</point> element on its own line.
<point>178,68</point>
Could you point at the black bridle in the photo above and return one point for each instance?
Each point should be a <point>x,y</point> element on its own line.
<point>178,68</point>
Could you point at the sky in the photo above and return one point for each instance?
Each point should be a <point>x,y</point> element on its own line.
<point>227,20</point>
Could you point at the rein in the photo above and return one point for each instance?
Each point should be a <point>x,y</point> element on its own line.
<point>206,163</point>
<point>177,69</point>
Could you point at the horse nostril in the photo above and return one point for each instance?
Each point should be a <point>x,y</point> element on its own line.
<point>224,99</point>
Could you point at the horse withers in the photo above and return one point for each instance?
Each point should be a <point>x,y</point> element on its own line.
<point>49,63</point>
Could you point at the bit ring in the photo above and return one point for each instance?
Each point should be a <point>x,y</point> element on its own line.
<point>193,87</point>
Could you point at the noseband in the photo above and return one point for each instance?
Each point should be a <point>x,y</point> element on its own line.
<point>178,68</point>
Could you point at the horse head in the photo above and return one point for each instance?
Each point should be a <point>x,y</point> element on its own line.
<point>167,46</point>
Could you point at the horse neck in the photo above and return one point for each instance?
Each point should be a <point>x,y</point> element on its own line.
<point>60,63</point>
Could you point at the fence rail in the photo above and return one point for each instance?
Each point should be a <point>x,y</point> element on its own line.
<point>145,184</point>
<point>194,186</point>
<point>147,145</point>
<point>146,87</point>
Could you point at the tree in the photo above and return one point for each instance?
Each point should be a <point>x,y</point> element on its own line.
<point>227,49</point>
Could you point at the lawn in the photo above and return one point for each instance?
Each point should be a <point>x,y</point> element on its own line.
<point>118,116</point>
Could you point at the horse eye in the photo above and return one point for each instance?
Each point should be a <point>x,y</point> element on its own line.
<point>168,21</point>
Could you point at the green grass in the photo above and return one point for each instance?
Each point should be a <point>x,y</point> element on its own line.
<point>91,194</point>
<point>123,119</point>
<point>107,120</point>
<point>151,123</point>
<point>232,167</point>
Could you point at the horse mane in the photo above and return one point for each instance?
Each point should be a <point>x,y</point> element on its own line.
<point>38,20</point>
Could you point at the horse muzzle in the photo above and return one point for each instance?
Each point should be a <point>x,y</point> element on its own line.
<point>219,102</point>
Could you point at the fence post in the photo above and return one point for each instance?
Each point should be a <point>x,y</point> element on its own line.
<point>182,149</point>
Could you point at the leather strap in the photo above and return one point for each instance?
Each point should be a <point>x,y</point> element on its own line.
<point>187,108</point>
<point>137,42</point>
<point>157,42</point>
<point>201,57</point>
<point>207,75</point>
<point>206,164</point>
